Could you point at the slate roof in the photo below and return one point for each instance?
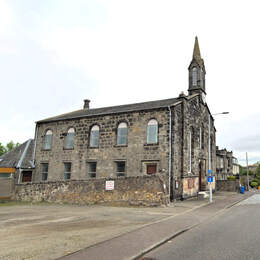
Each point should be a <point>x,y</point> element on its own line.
<point>112,110</point>
<point>19,157</point>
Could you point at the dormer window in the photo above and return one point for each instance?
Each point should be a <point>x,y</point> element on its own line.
<point>194,77</point>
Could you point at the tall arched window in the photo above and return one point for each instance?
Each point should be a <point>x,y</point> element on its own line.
<point>152,132</point>
<point>201,77</point>
<point>189,144</point>
<point>122,134</point>
<point>69,140</point>
<point>47,140</point>
<point>200,140</point>
<point>194,77</point>
<point>202,137</point>
<point>94,136</point>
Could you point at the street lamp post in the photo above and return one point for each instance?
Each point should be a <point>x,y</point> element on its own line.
<point>210,167</point>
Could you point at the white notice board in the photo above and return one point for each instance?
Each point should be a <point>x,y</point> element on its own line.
<point>110,185</point>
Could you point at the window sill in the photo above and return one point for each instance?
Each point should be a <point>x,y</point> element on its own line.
<point>69,149</point>
<point>121,176</point>
<point>151,144</point>
<point>120,145</point>
<point>93,147</point>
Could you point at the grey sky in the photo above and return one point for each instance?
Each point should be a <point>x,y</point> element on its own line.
<point>55,53</point>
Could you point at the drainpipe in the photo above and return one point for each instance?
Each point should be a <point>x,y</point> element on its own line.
<point>170,150</point>
<point>19,176</point>
<point>35,141</point>
<point>34,149</point>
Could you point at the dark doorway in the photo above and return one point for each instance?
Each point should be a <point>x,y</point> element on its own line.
<point>27,176</point>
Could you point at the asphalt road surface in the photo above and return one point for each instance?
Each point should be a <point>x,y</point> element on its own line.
<point>233,234</point>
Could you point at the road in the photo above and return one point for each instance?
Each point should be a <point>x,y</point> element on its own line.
<point>233,234</point>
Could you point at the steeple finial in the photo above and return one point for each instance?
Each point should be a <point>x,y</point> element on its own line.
<point>196,50</point>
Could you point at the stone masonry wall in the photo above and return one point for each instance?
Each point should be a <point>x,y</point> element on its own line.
<point>136,153</point>
<point>195,118</point>
<point>146,191</point>
<point>227,185</point>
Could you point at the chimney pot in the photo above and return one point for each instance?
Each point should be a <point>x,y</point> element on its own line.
<point>86,103</point>
<point>182,94</point>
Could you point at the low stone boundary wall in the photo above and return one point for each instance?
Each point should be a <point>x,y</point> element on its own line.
<point>6,188</point>
<point>142,190</point>
<point>228,185</point>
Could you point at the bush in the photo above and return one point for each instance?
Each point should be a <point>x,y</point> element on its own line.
<point>256,180</point>
<point>253,184</point>
<point>231,178</point>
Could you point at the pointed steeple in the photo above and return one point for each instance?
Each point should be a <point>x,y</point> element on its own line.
<point>197,71</point>
<point>196,50</point>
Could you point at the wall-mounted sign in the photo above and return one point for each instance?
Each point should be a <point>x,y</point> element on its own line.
<point>110,185</point>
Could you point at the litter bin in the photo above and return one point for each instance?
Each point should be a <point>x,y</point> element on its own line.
<point>242,189</point>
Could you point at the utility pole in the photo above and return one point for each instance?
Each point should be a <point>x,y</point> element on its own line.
<point>210,169</point>
<point>247,172</point>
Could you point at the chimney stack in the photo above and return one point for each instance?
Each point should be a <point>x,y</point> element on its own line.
<point>182,94</point>
<point>86,103</point>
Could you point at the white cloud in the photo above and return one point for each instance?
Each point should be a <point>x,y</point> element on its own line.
<point>117,52</point>
<point>6,17</point>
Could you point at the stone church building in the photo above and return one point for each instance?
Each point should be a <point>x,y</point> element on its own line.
<point>169,138</point>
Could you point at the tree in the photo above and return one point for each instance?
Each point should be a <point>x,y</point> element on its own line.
<point>2,149</point>
<point>10,146</point>
<point>257,171</point>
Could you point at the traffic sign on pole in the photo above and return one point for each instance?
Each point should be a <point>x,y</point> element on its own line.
<point>210,178</point>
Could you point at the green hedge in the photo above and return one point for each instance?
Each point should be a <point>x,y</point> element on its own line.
<point>253,184</point>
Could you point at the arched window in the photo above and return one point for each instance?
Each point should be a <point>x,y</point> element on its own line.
<point>201,77</point>
<point>47,140</point>
<point>122,134</point>
<point>69,140</point>
<point>202,137</point>
<point>194,77</point>
<point>200,141</point>
<point>189,144</point>
<point>94,136</point>
<point>152,132</point>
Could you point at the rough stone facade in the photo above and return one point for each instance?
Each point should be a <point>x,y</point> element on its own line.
<point>227,185</point>
<point>145,191</point>
<point>181,153</point>
<point>135,153</point>
<point>224,164</point>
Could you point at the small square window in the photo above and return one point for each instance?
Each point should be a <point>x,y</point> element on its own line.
<point>67,171</point>
<point>120,168</point>
<point>92,169</point>
<point>151,168</point>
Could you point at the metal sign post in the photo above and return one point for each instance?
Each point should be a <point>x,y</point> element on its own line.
<point>210,180</point>
<point>210,171</point>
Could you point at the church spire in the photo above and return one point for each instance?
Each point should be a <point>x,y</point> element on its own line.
<point>196,50</point>
<point>197,71</point>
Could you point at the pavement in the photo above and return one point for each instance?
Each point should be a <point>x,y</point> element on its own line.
<point>233,234</point>
<point>134,244</point>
